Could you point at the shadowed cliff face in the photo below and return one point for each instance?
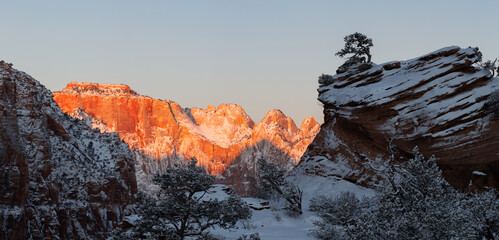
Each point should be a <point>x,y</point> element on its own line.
<point>59,179</point>
<point>161,133</point>
<point>437,102</point>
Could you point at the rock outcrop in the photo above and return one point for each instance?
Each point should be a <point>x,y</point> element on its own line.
<point>161,133</point>
<point>437,102</point>
<point>59,179</point>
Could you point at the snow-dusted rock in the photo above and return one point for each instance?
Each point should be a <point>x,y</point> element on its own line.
<point>59,179</point>
<point>437,102</point>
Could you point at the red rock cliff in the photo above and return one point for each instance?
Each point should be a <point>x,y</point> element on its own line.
<point>59,179</point>
<point>161,132</point>
<point>437,102</point>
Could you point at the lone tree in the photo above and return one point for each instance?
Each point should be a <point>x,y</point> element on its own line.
<point>180,208</point>
<point>272,179</point>
<point>357,44</point>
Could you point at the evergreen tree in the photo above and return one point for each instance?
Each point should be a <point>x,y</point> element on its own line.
<point>416,204</point>
<point>484,217</point>
<point>272,179</point>
<point>419,205</point>
<point>325,79</point>
<point>357,44</point>
<point>180,208</point>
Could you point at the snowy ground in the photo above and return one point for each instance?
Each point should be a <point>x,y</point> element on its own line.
<point>272,223</point>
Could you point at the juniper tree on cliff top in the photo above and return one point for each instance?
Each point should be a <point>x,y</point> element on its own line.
<point>357,44</point>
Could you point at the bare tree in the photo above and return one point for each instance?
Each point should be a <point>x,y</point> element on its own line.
<point>490,65</point>
<point>272,178</point>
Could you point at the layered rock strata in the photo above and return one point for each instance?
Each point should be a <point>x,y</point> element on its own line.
<point>437,102</point>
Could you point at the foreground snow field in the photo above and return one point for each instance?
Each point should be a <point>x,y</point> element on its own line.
<point>272,223</point>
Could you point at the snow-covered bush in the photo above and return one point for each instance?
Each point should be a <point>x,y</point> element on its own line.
<point>253,236</point>
<point>180,210</point>
<point>484,209</point>
<point>340,210</point>
<point>325,79</point>
<point>272,179</point>
<point>417,204</point>
<point>336,214</point>
<point>248,224</point>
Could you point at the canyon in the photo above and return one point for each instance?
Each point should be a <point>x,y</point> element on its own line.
<point>71,161</point>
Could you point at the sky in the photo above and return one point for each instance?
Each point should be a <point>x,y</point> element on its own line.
<point>260,54</point>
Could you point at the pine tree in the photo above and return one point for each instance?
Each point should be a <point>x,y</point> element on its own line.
<point>180,208</point>
<point>272,179</point>
<point>357,44</point>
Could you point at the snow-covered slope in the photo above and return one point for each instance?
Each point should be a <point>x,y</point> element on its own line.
<point>161,133</point>
<point>437,102</point>
<point>59,179</point>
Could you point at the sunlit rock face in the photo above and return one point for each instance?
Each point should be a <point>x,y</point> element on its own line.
<point>59,178</point>
<point>162,133</point>
<point>437,102</point>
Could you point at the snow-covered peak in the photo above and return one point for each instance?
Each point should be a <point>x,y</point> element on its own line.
<point>308,123</point>
<point>226,125</point>
<point>277,118</point>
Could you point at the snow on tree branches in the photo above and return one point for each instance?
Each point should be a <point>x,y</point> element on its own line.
<point>272,179</point>
<point>417,204</point>
<point>357,44</point>
<point>180,209</point>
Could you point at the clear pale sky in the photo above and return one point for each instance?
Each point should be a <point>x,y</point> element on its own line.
<point>258,54</point>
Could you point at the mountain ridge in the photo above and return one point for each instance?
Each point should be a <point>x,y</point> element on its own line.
<point>162,133</point>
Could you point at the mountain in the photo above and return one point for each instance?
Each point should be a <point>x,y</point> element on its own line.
<point>161,133</point>
<point>59,179</point>
<point>438,102</point>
